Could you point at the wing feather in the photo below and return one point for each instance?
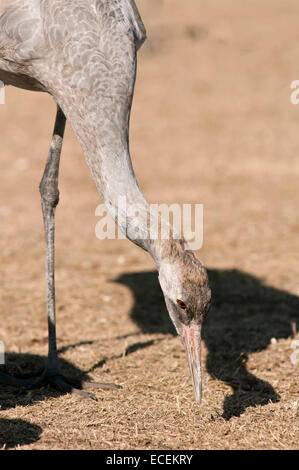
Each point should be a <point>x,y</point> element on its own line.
<point>125,12</point>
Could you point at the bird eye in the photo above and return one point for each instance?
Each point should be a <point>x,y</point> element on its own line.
<point>181,304</point>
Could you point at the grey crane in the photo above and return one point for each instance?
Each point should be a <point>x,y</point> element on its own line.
<point>83,53</point>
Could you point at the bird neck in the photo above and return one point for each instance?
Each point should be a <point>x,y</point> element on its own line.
<point>111,168</point>
<point>139,221</point>
<point>100,120</point>
<point>106,148</point>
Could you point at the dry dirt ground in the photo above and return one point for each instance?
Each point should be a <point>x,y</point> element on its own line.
<point>212,123</point>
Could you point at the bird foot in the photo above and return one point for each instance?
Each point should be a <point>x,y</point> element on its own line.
<point>53,379</point>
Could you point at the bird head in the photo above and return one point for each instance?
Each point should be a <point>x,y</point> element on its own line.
<point>184,283</point>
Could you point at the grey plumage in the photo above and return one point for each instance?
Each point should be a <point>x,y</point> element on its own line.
<point>84,54</point>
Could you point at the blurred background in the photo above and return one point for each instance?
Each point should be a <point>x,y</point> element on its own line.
<point>212,123</point>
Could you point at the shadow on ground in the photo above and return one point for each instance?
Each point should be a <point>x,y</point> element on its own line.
<point>16,363</point>
<point>17,432</point>
<point>245,315</point>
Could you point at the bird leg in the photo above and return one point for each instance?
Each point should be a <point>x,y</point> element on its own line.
<point>49,200</point>
<point>50,374</point>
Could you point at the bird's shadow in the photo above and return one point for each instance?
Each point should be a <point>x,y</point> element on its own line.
<point>245,315</point>
<point>17,432</point>
<point>16,363</point>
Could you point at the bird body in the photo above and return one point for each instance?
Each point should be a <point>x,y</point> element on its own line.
<point>83,53</point>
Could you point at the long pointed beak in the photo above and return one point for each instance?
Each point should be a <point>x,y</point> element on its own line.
<point>191,337</point>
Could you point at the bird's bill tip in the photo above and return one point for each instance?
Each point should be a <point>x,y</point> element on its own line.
<point>191,336</point>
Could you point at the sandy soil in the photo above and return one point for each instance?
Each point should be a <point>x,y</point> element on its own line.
<point>212,123</point>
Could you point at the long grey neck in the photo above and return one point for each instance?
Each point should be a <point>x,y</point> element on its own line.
<point>136,219</point>
<point>101,124</point>
<point>105,144</point>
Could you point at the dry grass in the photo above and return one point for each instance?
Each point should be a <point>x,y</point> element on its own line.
<point>212,123</point>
